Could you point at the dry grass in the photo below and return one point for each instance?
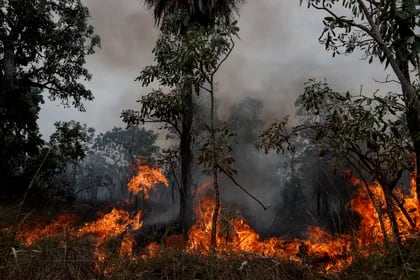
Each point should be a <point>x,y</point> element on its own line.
<point>50,259</point>
<point>61,258</point>
<point>74,259</point>
<point>176,265</point>
<point>387,266</point>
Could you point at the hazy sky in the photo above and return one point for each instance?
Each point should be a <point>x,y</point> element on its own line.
<point>278,51</point>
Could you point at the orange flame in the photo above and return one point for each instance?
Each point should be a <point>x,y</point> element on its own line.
<point>32,233</point>
<point>331,252</point>
<point>111,224</point>
<point>127,245</point>
<point>334,252</point>
<point>146,179</point>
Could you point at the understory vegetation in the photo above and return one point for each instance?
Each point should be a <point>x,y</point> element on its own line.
<point>60,258</point>
<point>332,192</point>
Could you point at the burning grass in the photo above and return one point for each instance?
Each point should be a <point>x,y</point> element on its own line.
<point>56,258</point>
<point>109,247</point>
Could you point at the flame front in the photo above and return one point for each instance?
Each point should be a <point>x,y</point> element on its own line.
<point>330,252</point>
<point>111,224</point>
<point>62,225</point>
<point>242,238</point>
<point>146,179</point>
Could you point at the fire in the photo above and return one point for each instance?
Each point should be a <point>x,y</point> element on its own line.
<point>111,224</point>
<point>324,250</point>
<point>334,252</point>
<point>242,238</point>
<point>370,229</point>
<point>146,179</point>
<point>32,233</point>
<point>108,226</point>
<point>127,245</point>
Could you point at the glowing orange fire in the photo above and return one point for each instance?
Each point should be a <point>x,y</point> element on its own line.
<point>127,245</point>
<point>146,179</point>
<point>331,252</point>
<point>242,238</point>
<point>334,252</point>
<point>111,224</point>
<point>32,233</point>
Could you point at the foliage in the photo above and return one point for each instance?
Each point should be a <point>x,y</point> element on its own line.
<point>394,22</point>
<point>385,30</point>
<point>43,45</point>
<point>110,161</point>
<point>198,11</point>
<point>366,132</point>
<point>193,56</point>
<point>157,107</point>
<point>126,145</point>
<point>71,139</point>
<point>223,141</point>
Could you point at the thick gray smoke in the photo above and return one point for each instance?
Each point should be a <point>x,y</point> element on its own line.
<point>277,52</point>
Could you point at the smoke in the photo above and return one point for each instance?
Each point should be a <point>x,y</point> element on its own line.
<point>127,37</point>
<point>277,52</point>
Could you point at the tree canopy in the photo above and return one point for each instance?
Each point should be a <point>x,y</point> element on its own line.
<point>43,45</point>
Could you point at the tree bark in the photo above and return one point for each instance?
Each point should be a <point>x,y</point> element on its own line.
<point>404,211</point>
<point>186,205</point>
<point>400,65</point>
<point>391,215</point>
<point>213,237</point>
<point>412,102</point>
<point>9,63</point>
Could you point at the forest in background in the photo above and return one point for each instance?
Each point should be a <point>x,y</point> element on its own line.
<point>332,184</point>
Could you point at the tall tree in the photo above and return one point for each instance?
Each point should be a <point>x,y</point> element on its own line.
<point>43,45</point>
<point>192,59</point>
<point>385,30</point>
<point>201,13</point>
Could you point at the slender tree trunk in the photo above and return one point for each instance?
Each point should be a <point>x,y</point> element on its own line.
<point>411,97</point>
<point>213,238</point>
<point>391,215</point>
<point>412,102</point>
<point>186,205</point>
<point>400,65</point>
<point>379,211</point>
<point>404,211</point>
<point>9,63</point>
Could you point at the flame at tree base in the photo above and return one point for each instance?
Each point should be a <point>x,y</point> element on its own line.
<point>327,252</point>
<point>240,238</point>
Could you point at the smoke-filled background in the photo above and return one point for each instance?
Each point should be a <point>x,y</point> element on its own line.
<point>277,52</point>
